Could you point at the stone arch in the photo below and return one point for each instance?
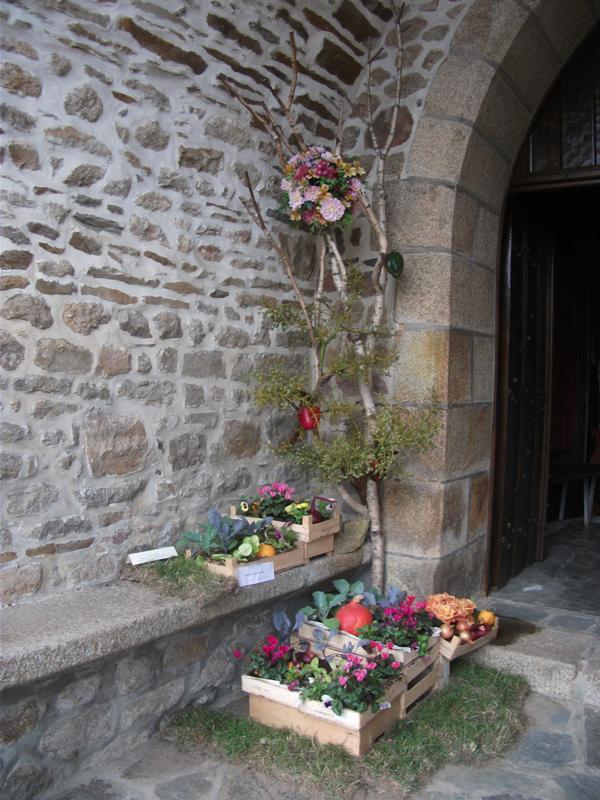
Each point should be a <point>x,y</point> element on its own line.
<point>447,211</point>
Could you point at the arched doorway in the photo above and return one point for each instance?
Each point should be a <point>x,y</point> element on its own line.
<point>448,214</point>
<point>547,400</point>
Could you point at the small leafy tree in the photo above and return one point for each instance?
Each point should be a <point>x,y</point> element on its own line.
<point>350,434</point>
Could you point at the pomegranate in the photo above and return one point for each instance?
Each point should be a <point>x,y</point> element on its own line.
<point>353,616</point>
<point>309,417</point>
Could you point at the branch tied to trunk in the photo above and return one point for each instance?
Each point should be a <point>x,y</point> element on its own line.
<point>349,435</point>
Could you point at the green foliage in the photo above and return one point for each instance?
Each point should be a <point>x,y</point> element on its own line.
<point>356,452</point>
<point>279,386</point>
<point>477,717</point>
<point>326,603</point>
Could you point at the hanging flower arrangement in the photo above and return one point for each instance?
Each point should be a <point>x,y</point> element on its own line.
<point>320,189</point>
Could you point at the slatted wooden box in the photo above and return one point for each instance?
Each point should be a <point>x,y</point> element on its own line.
<point>455,648</point>
<point>228,567</point>
<point>307,531</point>
<point>423,676</point>
<point>339,642</point>
<point>274,705</point>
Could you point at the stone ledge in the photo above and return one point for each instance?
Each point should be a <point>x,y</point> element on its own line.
<point>59,633</point>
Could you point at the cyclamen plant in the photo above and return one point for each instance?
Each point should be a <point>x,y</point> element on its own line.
<point>359,684</point>
<point>408,624</point>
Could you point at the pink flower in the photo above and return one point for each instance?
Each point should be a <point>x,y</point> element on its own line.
<point>332,209</point>
<point>286,185</point>
<point>311,194</point>
<point>385,654</point>
<point>237,654</point>
<point>396,664</point>
<point>295,200</point>
<point>371,665</point>
<point>343,680</point>
<point>360,674</point>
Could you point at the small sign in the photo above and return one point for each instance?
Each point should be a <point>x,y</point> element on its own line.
<point>257,572</point>
<point>152,555</point>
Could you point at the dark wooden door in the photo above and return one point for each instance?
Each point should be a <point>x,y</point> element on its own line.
<point>523,389</point>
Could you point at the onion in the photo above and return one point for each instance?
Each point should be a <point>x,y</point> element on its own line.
<point>465,636</point>
<point>483,629</point>
<point>447,631</point>
<point>462,625</point>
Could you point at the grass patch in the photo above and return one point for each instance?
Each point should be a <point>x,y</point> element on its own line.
<point>476,717</point>
<point>178,575</point>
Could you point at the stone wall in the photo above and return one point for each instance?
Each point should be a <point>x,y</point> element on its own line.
<point>131,278</point>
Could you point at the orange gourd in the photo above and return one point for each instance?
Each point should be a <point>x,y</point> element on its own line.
<point>266,551</point>
<point>353,616</point>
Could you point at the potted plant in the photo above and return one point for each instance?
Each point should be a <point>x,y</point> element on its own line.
<point>315,522</point>
<point>226,542</point>
<point>346,701</point>
<point>463,628</point>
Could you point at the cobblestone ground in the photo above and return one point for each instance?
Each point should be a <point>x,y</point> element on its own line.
<point>558,758</point>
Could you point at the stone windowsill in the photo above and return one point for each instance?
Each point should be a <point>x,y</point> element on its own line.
<point>62,632</point>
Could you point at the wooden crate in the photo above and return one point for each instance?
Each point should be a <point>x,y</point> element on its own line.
<point>274,705</point>
<point>229,566</point>
<point>423,676</point>
<point>319,547</point>
<point>338,642</point>
<point>308,531</point>
<point>455,648</point>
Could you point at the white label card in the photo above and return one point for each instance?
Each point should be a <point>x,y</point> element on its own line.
<point>152,555</point>
<point>257,572</point>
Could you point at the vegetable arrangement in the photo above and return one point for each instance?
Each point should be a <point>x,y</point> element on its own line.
<point>458,616</point>
<point>224,537</point>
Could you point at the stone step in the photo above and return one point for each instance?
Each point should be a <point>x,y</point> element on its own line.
<point>557,662</point>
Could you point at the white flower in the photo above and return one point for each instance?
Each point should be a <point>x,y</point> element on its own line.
<point>296,199</point>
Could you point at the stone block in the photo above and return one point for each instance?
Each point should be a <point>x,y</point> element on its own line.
<point>421,214</point>
<point>241,438</point>
<point>59,355</point>
<point>472,297</point>
<point>565,25</point>
<point>12,351</point>
<point>503,118</point>
<point>133,674</point>
<point>424,519</point>
<point>27,778</point>
<point>187,450</point>
<point>438,149</point>
<point>487,235</point>
<point>432,364</point>
<point>484,363</point>
<point>531,63</point>
<point>68,736</point>
<point>423,293</point>
<point>33,499</point>
<point>78,693</point>
<point>153,703</point>
<point>113,361</point>
<point>489,28</point>
<point>17,719</point>
<point>486,172</point>
<point>479,496</point>
<point>114,445</point>
<point>185,653</point>
<point>460,86</point>
<point>464,222</point>
<point>30,308</point>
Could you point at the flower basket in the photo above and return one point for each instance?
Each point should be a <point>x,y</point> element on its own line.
<point>274,705</point>
<point>455,647</point>
<point>229,566</point>
<point>307,531</point>
<point>338,642</point>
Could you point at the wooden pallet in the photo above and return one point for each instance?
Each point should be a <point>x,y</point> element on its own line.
<point>455,648</point>
<point>338,642</point>
<point>423,677</point>
<point>274,705</point>
<point>229,566</point>
<point>307,531</point>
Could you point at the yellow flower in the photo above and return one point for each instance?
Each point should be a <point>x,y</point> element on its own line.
<point>289,509</point>
<point>300,506</point>
<point>244,506</point>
